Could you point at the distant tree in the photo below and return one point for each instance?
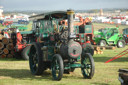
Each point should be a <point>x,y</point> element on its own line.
<point>96,10</point>
<point>93,11</point>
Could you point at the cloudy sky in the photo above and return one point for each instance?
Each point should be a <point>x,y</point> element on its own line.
<point>62,4</point>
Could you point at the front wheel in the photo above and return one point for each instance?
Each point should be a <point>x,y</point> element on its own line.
<point>57,67</point>
<point>121,44</point>
<point>88,67</point>
<point>102,43</point>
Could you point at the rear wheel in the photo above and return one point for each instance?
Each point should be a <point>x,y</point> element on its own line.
<point>88,67</point>
<point>121,44</point>
<point>57,67</point>
<point>35,59</point>
<point>102,43</point>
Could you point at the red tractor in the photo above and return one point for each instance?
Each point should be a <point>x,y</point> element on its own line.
<point>20,44</point>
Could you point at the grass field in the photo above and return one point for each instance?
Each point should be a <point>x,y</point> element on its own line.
<point>29,26</point>
<point>2,27</point>
<point>102,25</point>
<point>17,72</point>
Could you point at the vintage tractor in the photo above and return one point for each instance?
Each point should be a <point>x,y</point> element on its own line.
<point>59,47</point>
<point>109,36</point>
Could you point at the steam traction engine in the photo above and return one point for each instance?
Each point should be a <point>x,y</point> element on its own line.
<point>58,46</point>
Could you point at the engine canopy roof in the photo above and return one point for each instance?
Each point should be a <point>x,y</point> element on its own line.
<point>49,15</point>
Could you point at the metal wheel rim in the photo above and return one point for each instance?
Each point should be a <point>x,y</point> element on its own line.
<point>102,44</point>
<point>121,44</point>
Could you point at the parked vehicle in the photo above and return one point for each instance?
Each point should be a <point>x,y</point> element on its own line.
<point>109,36</point>
<point>125,34</point>
<point>1,21</point>
<point>23,22</point>
<point>6,23</point>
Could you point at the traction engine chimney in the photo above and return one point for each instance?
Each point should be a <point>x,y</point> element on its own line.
<point>71,32</point>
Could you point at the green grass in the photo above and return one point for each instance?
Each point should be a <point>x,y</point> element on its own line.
<point>16,72</point>
<point>2,27</point>
<point>102,25</point>
<point>29,26</point>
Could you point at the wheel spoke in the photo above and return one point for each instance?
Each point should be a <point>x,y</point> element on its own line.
<point>87,71</point>
<point>37,65</point>
<point>34,66</point>
<point>88,66</point>
<point>54,72</point>
<point>54,68</point>
<point>56,65</point>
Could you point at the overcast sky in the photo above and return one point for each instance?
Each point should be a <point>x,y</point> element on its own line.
<point>62,4</point>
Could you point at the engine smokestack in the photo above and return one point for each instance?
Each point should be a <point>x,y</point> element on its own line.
<point>70,24</point>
